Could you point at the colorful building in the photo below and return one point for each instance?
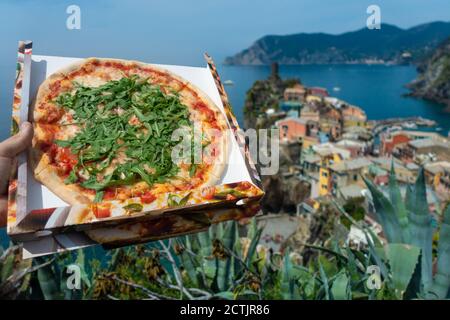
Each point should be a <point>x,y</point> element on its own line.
<point>295,94</point>
<point>348,172</point>
<point>291,129</point>
<point>437,174</point>
<point>318,92</point>
<point>389,141</point>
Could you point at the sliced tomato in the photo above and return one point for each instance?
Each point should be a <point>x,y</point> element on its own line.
<point>208,193</point>
<point>64,159</point>
<point>110,194</point>
<point>102,211</point>
<point>147,197</point>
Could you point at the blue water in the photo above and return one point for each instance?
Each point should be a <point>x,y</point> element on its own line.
<point>377,89</point>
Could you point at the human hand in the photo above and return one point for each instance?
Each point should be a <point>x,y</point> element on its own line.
<point>8,151</point>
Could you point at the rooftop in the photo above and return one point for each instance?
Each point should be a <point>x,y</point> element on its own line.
<point>325,149</point>
<point>437,167</point>
<point>428,143</point>
<point>352,191</point>
<point>296,119</point>
<point>352,164</point>
<point>350,143</point>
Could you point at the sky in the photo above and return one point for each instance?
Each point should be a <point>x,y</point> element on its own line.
<point>179,31</point>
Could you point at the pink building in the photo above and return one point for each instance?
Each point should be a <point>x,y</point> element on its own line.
<point>291,128</point>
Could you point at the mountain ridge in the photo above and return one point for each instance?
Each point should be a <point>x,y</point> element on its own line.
<point>358,46</point>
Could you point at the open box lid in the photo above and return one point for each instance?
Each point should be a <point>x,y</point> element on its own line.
<point>28,198</point>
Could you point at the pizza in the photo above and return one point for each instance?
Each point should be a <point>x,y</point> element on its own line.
<point>108,129</point>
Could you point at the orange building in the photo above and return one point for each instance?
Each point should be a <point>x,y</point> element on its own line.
<point>291,128</point>
<point>392,140</point>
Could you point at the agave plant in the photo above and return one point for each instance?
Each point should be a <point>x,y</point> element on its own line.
<point>407,226</point>
<point>217,263</point>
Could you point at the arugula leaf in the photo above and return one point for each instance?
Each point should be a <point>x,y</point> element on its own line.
<point>98,196</point>
<point>133,207</point>
<point>107,115</point>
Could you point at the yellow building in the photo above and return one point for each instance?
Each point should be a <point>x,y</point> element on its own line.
<point>325,177</point>
<point>329,154</point>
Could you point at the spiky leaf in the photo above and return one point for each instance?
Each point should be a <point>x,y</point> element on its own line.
<point>385,213</point>
<point>402,260</point>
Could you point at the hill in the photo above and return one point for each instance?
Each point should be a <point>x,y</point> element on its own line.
<point>390,44</point>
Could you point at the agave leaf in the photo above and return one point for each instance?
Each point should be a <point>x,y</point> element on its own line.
<point>205,243</point>
<point>352,265</point>
<point>375,255</point>
<point>339,288</point>
<point>81,262</point>
<point>441,282</point>
<point>224,272</point>
<point>7,267</point>
<point>324,279</point>
<point>402,259</point>
<point>287,281</point>
<point>227,295</point>
<point>328,265</point>
<point>188,265</point>
<point>421,228</point>
<point>219,230</point>
<point>399,205</point>
<point>409,198</point>
<point>253,228</point>
<point>48,281</point>
<point>252,247</point>
<point>385,213</point>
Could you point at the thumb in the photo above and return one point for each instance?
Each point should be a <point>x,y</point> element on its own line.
<point>17,143</point>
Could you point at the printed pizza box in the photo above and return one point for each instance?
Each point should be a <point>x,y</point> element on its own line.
<point>38,209</point>
<point>134,232</point>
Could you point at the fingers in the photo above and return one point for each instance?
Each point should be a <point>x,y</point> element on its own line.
<point>17,143</point>
<point>3,211</point>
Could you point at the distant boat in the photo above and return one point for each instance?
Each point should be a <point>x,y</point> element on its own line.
<point>228,82</point>
<point>336,89</point>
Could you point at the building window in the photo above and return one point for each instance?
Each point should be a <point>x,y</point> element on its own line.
<point>285,130</point>
<point>355,177</point>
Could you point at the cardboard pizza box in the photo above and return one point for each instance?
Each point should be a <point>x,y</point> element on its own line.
<point>45,223</point>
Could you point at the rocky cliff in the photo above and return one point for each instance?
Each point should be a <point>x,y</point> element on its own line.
<point>265,94</point>
<point>283,190</point>
<point>433,82</point>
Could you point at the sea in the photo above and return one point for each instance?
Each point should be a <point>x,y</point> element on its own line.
<point>378,89</point>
